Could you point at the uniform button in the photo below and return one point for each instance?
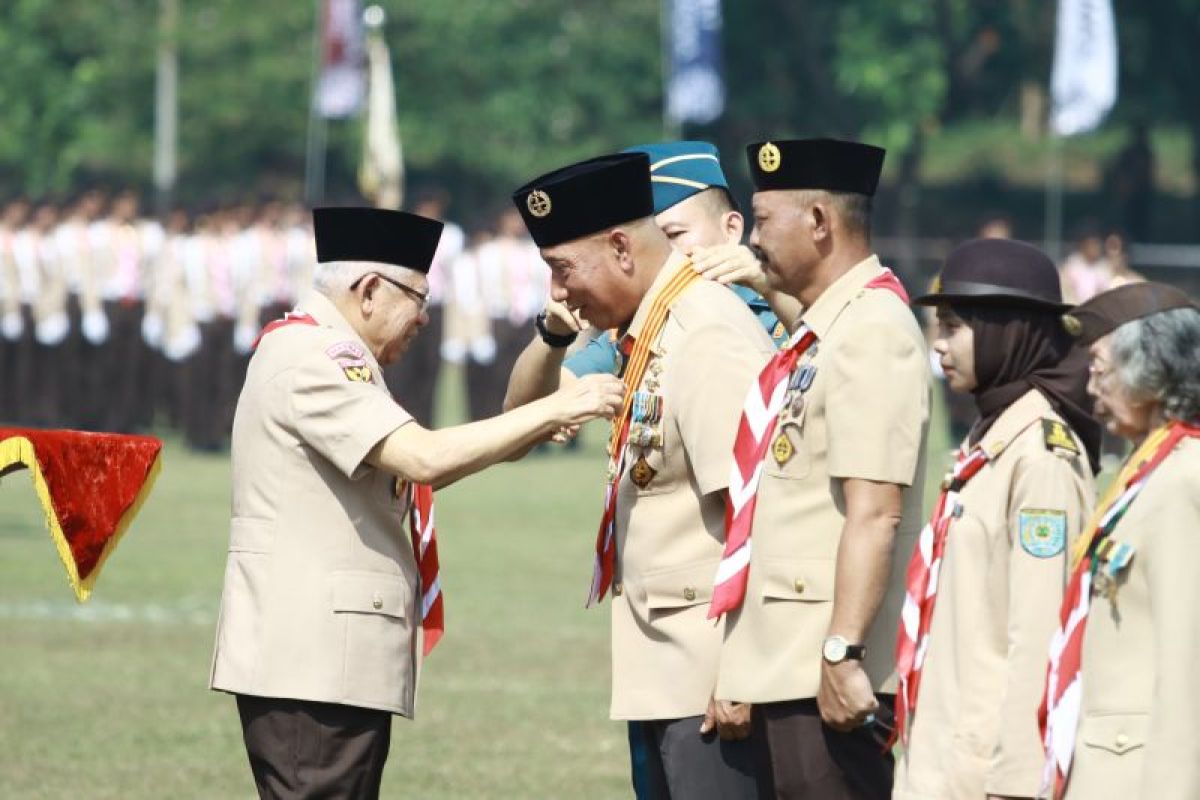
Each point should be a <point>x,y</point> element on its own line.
<point>1121,740</point>
<point>799,585</point>
<point>689,594</point>
<point>617,589</point>
<point>377,603</point>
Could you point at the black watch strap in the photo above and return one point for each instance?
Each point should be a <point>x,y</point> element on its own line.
<point>552,339</point>
<point>856,652</point>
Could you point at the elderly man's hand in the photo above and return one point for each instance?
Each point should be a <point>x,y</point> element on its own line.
<point>560,320</point>
<point>589,397</point>
<point>730,263</point>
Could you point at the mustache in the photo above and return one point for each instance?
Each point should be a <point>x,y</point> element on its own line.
<point>758,253</point>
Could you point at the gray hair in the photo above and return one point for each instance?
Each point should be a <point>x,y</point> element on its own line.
<point>333,278</point>
<point>853,209</point>
<point>1158,358</point>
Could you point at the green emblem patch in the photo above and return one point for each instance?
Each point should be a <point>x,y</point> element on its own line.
<point>1043,532</point>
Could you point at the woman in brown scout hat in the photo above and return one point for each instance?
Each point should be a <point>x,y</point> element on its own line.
<point>1120,711</point>
<point>993,557</point>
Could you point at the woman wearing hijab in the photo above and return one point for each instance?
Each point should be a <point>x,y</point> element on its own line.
<point>990,568</point>
<point>1121,701</point>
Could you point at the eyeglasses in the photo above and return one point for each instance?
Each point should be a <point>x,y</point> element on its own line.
<point>422,298</point>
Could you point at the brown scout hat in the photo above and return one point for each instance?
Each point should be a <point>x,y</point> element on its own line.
<point>997,272</point>
<point>1109,310</point>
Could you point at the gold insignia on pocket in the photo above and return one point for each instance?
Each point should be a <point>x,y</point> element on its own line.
<point>1071,324</point>
<point>1057,436</point>
<point>769,157</point>
<point>538,203</point>
<point>782,449</point>
<point>641,473</point>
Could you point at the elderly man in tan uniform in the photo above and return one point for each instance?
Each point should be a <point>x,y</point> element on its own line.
<point>830,460</point>
<point>1122,705</point>
<point>986,582</point>
<point>690,348</point>
<point>322,598</point>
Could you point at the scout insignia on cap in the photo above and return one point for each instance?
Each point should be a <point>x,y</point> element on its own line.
<point>538,203</point>
<point>768,157</point>
<point>936,286</point>
<point>641,473</point>
<point>1043,532</point>
<point>1072,325</point>
<point>1057,437</point>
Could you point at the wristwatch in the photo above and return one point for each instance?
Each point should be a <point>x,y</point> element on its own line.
<point>552,339</point>
<point>836,650</point>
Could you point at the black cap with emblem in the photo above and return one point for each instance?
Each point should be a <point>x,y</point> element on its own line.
<point>998,272</point>
<point>1107,311</point>
<point>831,165</point>
<point>586,197</point>
<point>376,234</point>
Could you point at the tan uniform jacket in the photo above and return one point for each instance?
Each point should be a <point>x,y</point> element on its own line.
<point>1001,583</point>
<point>320,597</point>
<point>864,415</point>
<point>1137,734</point>
<point>671,531</point>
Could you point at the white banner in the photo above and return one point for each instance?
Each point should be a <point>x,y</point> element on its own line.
<point>381,173</point>
<point>341,84</point>
<point>1083,85</point>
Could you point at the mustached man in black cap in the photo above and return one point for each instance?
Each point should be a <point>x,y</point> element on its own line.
<point>689,348</point>
<point>997,540</point>
<point>832,463</point>
<point>324,590</point>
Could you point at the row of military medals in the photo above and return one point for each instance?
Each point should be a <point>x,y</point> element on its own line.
<point>784,446</point>
<point>646,424</point>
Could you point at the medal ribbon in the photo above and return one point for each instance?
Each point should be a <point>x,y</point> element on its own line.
<point>1058,716</point>
<point>924,569</point>
<point>606,538</point>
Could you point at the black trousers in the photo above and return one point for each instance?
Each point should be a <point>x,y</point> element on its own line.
<point>301,749</point>
<point>683,765</point>
<point>799,757</point>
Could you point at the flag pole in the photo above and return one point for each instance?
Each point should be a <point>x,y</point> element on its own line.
<point>166,106</point>
<point>314,151</point>
<point>672,128</point>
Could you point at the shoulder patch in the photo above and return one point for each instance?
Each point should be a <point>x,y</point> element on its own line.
<point>1057,437</point>
<point>1043,532</point>
<point>352,359</point>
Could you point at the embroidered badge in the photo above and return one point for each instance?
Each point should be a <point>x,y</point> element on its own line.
<point>769,158</point>
<point>1043,532</point>
<point>1058,437</point>
<point>352,358</point>
<point>358,374</point>
<point>779,332</point>
<point>641,473</point>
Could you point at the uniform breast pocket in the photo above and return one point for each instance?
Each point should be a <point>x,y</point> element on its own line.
<point>376,609</point>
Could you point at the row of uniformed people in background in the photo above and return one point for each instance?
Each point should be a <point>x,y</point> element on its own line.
<point>108,318</point>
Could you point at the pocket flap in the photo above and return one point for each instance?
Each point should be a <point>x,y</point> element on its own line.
<point>249,535</point>
<point>680,587</point>
<point>1116,733</point>
<point>370,593</point>
<point>803,579</point>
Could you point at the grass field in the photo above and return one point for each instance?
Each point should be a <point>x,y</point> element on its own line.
<point>109,699</point>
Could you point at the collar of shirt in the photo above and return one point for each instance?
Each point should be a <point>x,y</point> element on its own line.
<point>1028,409</point>
<point>821,315</point>
<point>669,267</point>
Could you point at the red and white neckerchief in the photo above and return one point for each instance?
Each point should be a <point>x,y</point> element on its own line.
<point>1058,717</point>
<point>924,569</point>
<point>760,415</point>
<point>290,318</point>
<point>424,542</point>
<point>605,564</point>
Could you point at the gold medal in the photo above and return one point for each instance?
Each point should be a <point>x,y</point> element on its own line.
<point>782,448</point>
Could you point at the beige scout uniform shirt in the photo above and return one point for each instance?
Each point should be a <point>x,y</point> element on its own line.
<point>320,599</point>
<point>864,415</point>
<point>975,730</point>
<point>671,531</point>
<point>1137,732</point>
